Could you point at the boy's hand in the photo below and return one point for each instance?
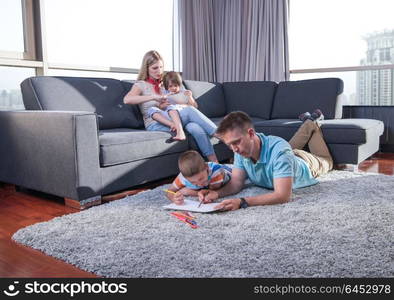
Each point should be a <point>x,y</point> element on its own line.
<point>178,198</point>
<point>201,195</point>
<point>187,93</point>
<point>207,196</point>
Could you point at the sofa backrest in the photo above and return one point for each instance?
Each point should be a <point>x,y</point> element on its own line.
<point>253,97</point>
<point>139,121</point>
<point>103,96</point>
<point>295,97</point>
<point>209,96</point>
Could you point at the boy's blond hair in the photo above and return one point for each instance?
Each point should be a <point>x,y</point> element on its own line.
<point>172,77</point>
<point>191,163</point>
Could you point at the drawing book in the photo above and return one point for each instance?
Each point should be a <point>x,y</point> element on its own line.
<point>192,205</point>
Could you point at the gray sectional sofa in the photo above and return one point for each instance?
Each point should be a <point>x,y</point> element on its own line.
<point>78,140</point>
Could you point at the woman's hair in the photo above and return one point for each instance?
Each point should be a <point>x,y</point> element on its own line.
<point>234,120</point>
<point>150,58</point>
<point>172,77</point>
<point>191,163</point>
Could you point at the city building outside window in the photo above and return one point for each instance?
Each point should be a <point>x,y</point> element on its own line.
<point>355,43</point>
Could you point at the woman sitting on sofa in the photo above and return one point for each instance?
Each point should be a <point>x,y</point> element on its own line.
<point>148,92</point>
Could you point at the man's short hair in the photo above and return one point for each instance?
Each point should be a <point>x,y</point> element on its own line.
<point>191,163</point>
<point>234,120</point>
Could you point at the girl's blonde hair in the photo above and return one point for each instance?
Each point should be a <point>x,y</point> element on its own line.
<point>150,58</point>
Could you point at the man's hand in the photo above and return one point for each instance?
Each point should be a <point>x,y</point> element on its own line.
<point>229,204</point>
<point>207,196</point>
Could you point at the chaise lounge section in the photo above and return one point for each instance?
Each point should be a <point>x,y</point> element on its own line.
<point>274,109</point>
<point>78,140</point>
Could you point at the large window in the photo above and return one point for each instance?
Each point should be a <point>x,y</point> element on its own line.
<point>10,93</point>
<point>92,38</point>
<point>352,39</point>
<point>108,32</point>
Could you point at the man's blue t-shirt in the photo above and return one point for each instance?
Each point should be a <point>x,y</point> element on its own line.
<point>276,160</point>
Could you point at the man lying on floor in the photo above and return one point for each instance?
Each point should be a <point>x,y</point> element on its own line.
<point>270,161</point>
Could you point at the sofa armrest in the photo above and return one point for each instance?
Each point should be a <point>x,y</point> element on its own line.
<point>56,152</point>
<point>339,106</point>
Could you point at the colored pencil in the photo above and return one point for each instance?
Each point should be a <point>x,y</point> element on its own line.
<point>168,191</point>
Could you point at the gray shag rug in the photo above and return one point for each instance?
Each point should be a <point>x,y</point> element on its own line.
<point>342,227</point>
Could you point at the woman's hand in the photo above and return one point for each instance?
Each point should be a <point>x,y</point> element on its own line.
<point>163,104</point>
<point>160,98</point>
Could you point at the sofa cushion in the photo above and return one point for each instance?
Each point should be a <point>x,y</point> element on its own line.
<point>253,97</point>
<point>100,95</point>
<point>351,131</point>
<point>345,131</point>
<point>209,96</point>
<point>118,146</point>
<point>295,97</point>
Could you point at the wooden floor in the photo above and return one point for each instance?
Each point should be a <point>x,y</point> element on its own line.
<point>22,208</point>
